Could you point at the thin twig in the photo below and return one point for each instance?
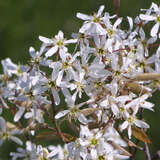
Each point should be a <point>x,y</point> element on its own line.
<point>146,150</point>
<point>116,5</point>
<point>53,106</point>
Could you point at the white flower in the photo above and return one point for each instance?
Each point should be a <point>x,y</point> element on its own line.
<point>5,133</point>
<point>132,120</point>
<point>58,42</point>
<point>153,17</point>
<point>73,111</point>
<point>92,24</point>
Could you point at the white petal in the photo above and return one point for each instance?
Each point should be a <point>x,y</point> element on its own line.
<point>94,153</point>
<point>142,34</point>
<point>53,153</point>
<point>129,132</point>
<point>141,124</point>
<point>60,35</point>
<point>85,132</point>
<point>154,30</point>
<point>155,7</point>
<point>115,109</point>
<point>147,105</point>
<point>28,115</point>
<point>61,114</point>
<point>152,40</point>
<point>51,51</point>
<point>147,17</point>
<point>82,118</point>
<point>17,140</point>
<point>130,23</point>
<point>99,30</point>
<point>118,21</point>
<point>70,41</point>
<point>101,8</point>
<point>19,114</point>
<point>32,52</point>
<point>56,96</point>
<point>123,99</point>
<point>83,16</point>
<point>2,124</point>
<point>59,78</point>
<point>45,40</point>
<point>85,28</point>
<point>56,67</point>
<point>124,125</point>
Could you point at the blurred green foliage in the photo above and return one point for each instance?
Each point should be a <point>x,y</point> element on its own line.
<point>22,21</point>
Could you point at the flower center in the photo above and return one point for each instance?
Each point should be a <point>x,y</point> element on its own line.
<point>80,86</point>
<point>51,84</point>
<point>101,157</point>
<point>100,51</point>
<point>110,32</point>
<point>60,43</point>
<point>95,19</point>
<point>98,85</point>
<point>94,141</point>
<point>158,19</point>
<point>131,119</point>
<point>65,65</point>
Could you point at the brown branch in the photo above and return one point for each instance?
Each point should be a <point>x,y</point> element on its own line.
<point>53,106</point>
<point>117,5</point>
<point>58,129</point>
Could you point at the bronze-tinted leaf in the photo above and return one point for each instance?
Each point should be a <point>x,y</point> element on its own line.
<point>140,135</point>
<point>50,135</point>
<point>136,88</point>
<point>11,126</point>
<point>146,76</point>
<point>88,111</point>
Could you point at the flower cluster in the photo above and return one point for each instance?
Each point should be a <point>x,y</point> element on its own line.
<point>99,89</point>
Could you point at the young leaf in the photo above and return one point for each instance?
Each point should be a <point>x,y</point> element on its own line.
<point>140,135</point>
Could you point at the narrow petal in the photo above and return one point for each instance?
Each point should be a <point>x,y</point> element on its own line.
<point>32,52</point>
<point>61,114</point>
<point>142,34</point>
<point>147,17</point>
<point>141,124</point>
<point>83,16</point>
<point>45,40</point>
<point>56,96</point>
<point>101,8</point>
<point>19,114</point>
<point>82,118</point>
<point>117,23</point>
<point>124,125</point>
<point>17,140</point>
<point>129,132</point>
<point>51,51</point>
<point>130,23</point>
<point>70,41</point>
<point>60,35</point>
<point>155,7</point>
<point>154,30</point>
<point>115,109</point>
<point>2,124</point>
<point>59,78</point>
<point>28,115</point>
<point>85,28</point>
